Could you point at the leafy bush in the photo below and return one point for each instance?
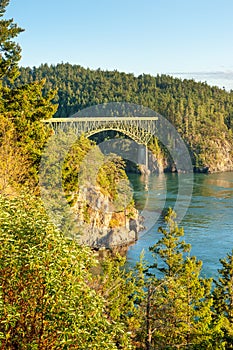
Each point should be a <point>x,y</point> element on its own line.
<point>46,298</point>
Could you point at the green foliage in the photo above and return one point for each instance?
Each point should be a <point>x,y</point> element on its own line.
<point>14,164</point>
<point>23,107</point>
<point>85,165</point>
<point>223,298</point>
<point>158,150</point>
<point>169,248</point>
<point>72,165</point>
<point>111,174</point>
<point>121,291</point>
<point>46,298</point>
<point>177,305</point>
<point>10,51</point>
<point>202,114</point>
<point>49,297</point>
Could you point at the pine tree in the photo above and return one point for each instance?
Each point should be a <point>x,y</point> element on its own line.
<point>10,51</point>
<point>223,298</point>
<point>23,107</point>
<point>178,305</point>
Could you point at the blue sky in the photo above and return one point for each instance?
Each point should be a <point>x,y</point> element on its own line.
<point>139,36</point>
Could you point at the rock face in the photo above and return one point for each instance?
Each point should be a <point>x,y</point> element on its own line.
<point>221,157</point>
<point>217,157</point>
<point>99,222</point>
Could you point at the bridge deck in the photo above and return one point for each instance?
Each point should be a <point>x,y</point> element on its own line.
<point>139,128</point>
<point>100,119</point>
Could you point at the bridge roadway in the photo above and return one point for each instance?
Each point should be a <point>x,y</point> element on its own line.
<point>140,129</point>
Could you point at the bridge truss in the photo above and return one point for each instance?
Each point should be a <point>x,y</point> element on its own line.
<point>140,129</point>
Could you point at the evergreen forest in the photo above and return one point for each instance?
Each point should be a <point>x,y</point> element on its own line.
<point>57,294</point>
<point>203,115</point>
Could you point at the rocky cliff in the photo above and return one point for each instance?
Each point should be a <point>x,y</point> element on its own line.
<point>217,158</point>
<point>102,223</point>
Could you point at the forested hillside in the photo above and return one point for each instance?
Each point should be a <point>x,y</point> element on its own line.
<point>54,293</point>
<point>203,115</point>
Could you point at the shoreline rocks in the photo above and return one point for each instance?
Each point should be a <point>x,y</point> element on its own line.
<point>100,225</point>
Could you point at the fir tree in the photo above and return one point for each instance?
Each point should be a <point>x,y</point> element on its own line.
<point>223,298</point>
<point>178,305</point>
<point>10,52</point>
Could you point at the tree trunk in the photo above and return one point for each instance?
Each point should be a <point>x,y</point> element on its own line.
<point>148,320</point>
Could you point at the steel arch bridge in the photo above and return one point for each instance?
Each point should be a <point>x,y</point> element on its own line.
<point>140,129</point>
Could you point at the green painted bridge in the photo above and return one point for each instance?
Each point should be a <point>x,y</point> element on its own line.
<point>140,129</point>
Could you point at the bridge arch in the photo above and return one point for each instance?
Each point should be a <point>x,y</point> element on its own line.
<point>131,135</point>
<point>137,122</point>
<point>139,129</point>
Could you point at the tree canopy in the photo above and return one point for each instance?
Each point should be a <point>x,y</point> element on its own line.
<point>10,52</point>
<point>202,114</point>
<point>54,293</point>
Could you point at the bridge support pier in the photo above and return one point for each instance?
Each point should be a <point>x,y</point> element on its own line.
<point>146,160</point>
<point>147,168</point>
<point>143,160</point>
<point>143,157</point>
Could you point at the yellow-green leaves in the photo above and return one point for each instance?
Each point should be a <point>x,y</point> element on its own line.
<point>10,51</point>
<point>47,299</point>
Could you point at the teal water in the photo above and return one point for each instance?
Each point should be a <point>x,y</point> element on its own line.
<point>207,220</point>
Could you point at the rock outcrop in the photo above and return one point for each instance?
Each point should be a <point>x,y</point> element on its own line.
<point>220,159</point>
<point>216,156</point>
<point>99,222</point>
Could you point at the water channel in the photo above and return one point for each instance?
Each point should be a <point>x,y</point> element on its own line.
<point>206,211</point>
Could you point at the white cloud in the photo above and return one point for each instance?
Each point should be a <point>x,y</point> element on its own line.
<point>218,78</point>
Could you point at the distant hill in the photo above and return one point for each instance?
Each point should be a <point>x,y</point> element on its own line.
<point>203,115</point>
